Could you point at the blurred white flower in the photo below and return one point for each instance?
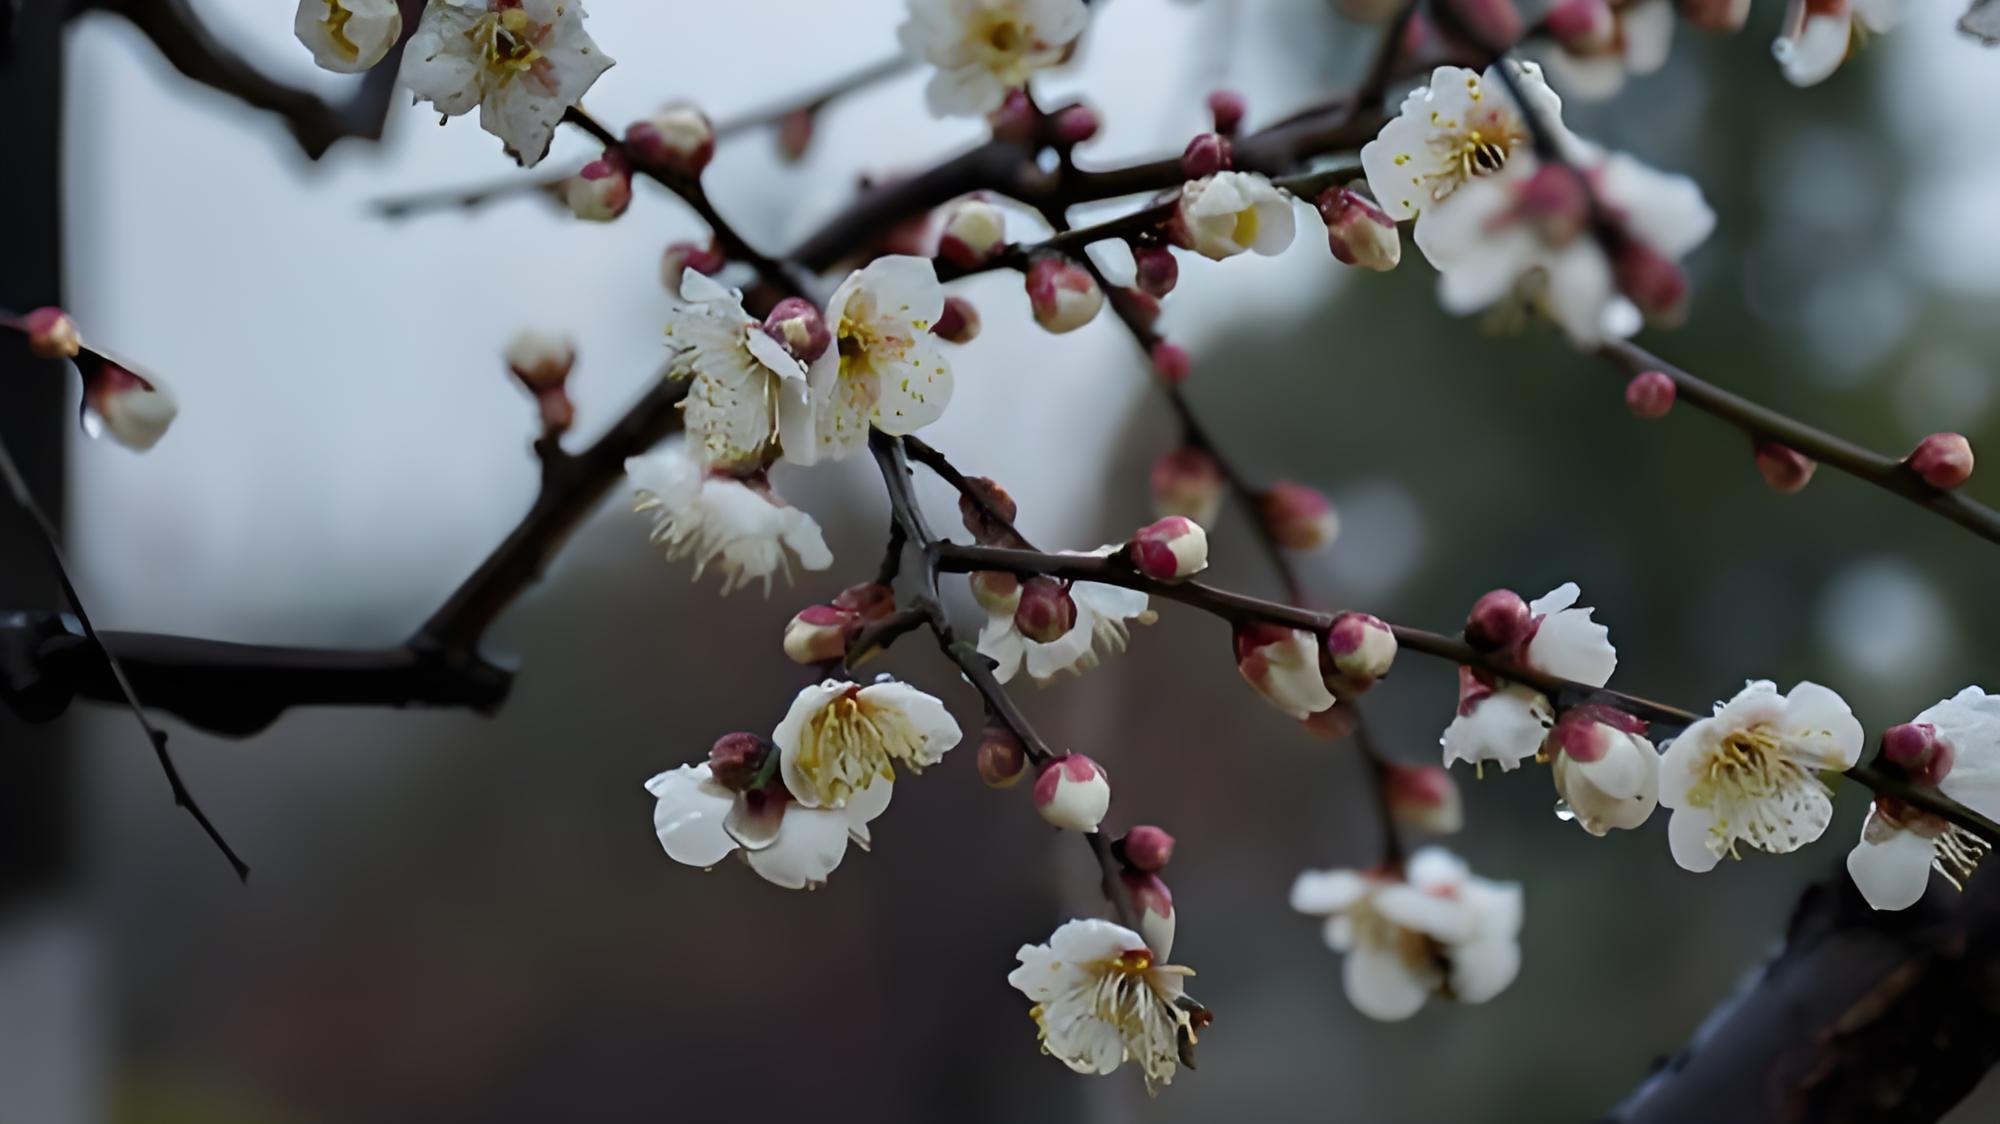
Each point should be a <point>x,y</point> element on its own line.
<point>1282,664</point>
<point>134,409</point>
<point>1901,843</point>
<point>1827,33</point>
<point>747,389</point>
<point>840,739</point>
<point>700,823</point>
<point>1592,65</point>
<point>885,368</point>
<point>522,63</point>
<point>1750,772</point>
<point>1222,215</point>
<point>1100,1000</point>
<point>711,516</point>
<point>1462,127</point>
<point>348,36</point>
<point>984,48</point>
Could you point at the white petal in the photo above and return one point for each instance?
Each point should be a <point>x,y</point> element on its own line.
<point>1817,52</point>
<point>1002,643</point>
<point>915,391</point>
<point>789,735</point>
<point>1092,939</point>
<point>939,729</point>
<point>1325,892</point>
<point>1483,969</point>
<point>1648,28</point>
<point>1894,873</point>
<point>1381,985</point>
<point>1506,727</point>
<point>1688,831</point>
<point>1444,919</point>
<point>1819,724</point>
<point>1571,645</point>
<point>690,814</point>
<point>809,845</point>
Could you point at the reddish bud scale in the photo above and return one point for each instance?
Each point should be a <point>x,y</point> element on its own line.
<point>1227,108</point>
<point>1918,751</point>
<point>1785,469</point>
<point>1650,394</point>
<point>1653,281</point>
<point>958,323</point>
<point>987,511</point>
<point>1073,125</point>
<point>1016,120</point>
<point>1156,270</point>
<point>1358,232</point>
<point>1046,612</point>
<point>1583,732</point>
<point>1172,362</point>
<point>795,134</point>
<point>799,327</point>
<point>1145,848</point>
<point>1556,202</point>
<point>1942,460</point>
<point>51,333</point>
<point>1206,154</point>
<point>1474,685</point>
<point>871,601</point>
<point>1003,761</point>
<point>1499,619</point>
<point>737,760</point>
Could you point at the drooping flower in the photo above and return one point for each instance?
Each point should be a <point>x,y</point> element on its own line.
<point>737,522</point>
<point>984,48</point>
<point>734,803</point>
<point>1098,620</point>
<point>1101,1000</point>
<point>1750,773</point>
<point>523,63</point>
<point>885,369</point>
<point>840,739</point>
<point>134,409</point>
<point>1282,664</point>
<point>1606,772</point>
<point>1462,127</point>
<point>1435,930</point>
<point>1222,215</point>
<point>1596,45</point>
<point>1827,31</point>
<point>747,390</point>
<point>1506,722</point>
<point>1958,753</point>
<point>348,36</point>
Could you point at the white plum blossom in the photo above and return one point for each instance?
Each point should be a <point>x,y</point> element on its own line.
<point>1900,843</point>
<point>1750,773</point>
<point>1222,215</point>
<point>1460,128</point>
<point>1506,722</point>
<point>700,823</point>
<point>1282,664</point>
<point>1638,40</point>
<point>1101,1000</point>
<point>134,409</point>
<point>522,63</point>
<point>1606,773</point>
<point>840,739</point>
<point>747,390</point>
<point>885,369</point>
<point>984,48</point>
<point>1435,929</point>
<point>738,523</point>
<point>348,36</point>
<point>1809,52</point>
<point>1104,614</point>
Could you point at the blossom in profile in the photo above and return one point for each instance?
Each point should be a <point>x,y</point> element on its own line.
<point>1222,215</point>
<point>1102,999</point>
<point>1953,747</point>
<point>1606,773</point>
<point>984,48</point>
<point>521,63</point>
<point>348,36</point>
<point>735,523</point>
<point>1596,45</point>
<point>1825,33</point>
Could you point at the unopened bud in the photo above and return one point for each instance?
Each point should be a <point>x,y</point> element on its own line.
<point>1942,460</point>
<point>1046,612</point>
<point>1498,620</point>
<point>1064,295</point>
<point>1172,362</point>
<point>1298,517</point>
<point>1358,232</point>
<point>1784,468</point>
<point>1283,665</point>
<point>541,360</point>
<point>1016,120</point>
<point>1145,848</point>
<point>1073,793</point>
<point>998,592</point>
<point>1187,481</point>
<point>1492,25</point>
<point>1073,125</point>
<point>799,328</point>
<point>1423,798</point>
<point>1154,904</point>
<point>51,333</point>
<point>737,761</point>
<point>683,256</point>
<point>1141,308</point>
<point>1156,270</point>
<point>1650,394</point>
<point>1205,155</point>
<point>1715,15</point>
<point>871,601</point>
<point>818,633</point>
<point>1362,647</point>
<point>1227,108</point>
<point>1556,203</point>
<point>1002,759</point>
<point>1169,550</point>
<point>795,134</point>
<point>974,231</point>
<point>678,137</point>
<point>1653,281</point>
<point>958,323</point>
<point>134,410</point>
<point>601,191</point>
<point>1582,26</point>
<point>1916,748</point>
<point>987,511</point>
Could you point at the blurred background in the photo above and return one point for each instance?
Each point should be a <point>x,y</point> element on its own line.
<point>457,919</point>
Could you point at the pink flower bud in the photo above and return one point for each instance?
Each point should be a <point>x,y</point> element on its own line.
<point>51,333</point>
<point>1283,665</point>
<point>1145,848</point>
<point>1584,733</point>
<point>1498,620</point>
<point>958,323</point>
<point>1206,154</point>
<point>134,410</point>
<point>1362,647</point>
<point>1002,759</point>
<point>1227,107</point>
<point>1423,798</point>
<point>1046,612</point>
<point>1556,203</point>
<point>988,512</point>
<point>1073,793</point>
<point>1073,125</point>
<point>1942,460</point>
<point>1475,685</point>
<point>795,134</point>
<point>1582,26</point>
<point>1918,751</point>
<point>1172,362</point>
<point>871,601</point>
<point>1653,281</point>
<point>1358,232</point>
<point>1155,906</point>
<point>737,760</point>
<point>1064,295</point>
<point>1187,481</point>
<point>1715,15</point>
<point>683,256</point>
<point>819,633</point>
<point>1492,25</point>
<point>998,592</point>
<point>1016,121</point>
<point>1785,469</point>
<point>974,231</point>
<point>798,326</point>
<point>541,360</point>
<point>601,191</point>
<point>1156,270</point>
<point>677,137</point>
<point>1650,394</point>
<point>1169,550</point>
<point>1298,517</point>
<point>1139,307</point>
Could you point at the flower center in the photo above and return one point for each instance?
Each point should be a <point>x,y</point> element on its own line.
<point>511,39</point>
<point>1748,765</point>
<point>335,22</point>
<point>1245,231</point>
<point>1123,994</point>
<point>849,744</point>
<point>1478,147</point>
